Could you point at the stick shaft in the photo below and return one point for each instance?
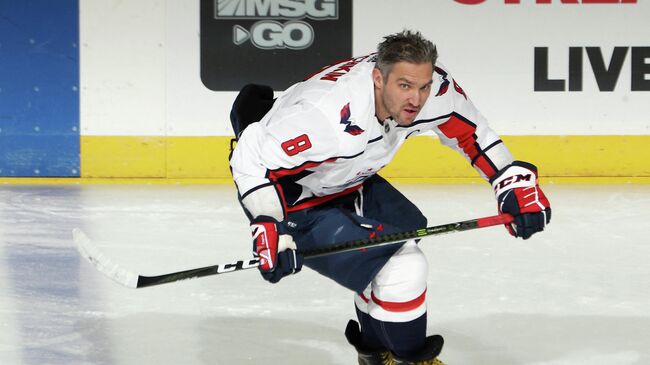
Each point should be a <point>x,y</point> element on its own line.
<point>145,281</point>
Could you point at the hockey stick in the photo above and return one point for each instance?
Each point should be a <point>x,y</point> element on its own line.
<point>132,280</point>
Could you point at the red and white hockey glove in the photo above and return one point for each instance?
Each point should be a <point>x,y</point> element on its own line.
<point>518,193</point>
<point>275,248</point>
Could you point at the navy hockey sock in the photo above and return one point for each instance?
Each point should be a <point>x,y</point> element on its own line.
<point>404,339</point>
<point>369,338</point>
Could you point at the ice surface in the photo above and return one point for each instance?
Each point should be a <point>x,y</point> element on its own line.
<point>577,294</point>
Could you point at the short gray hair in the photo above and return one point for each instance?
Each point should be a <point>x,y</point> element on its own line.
<point>404,46</point>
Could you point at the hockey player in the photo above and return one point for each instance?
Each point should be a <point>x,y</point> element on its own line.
<point>306,168</point>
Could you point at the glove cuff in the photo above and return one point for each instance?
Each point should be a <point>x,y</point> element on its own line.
<point>518,174</point>
<point>264,218</point>
<point>268,219</point>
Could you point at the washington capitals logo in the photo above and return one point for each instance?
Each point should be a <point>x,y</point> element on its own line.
<point>354,130</point>
<point>444,85</point>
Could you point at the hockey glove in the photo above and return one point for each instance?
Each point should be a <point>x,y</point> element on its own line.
<point>518,193</point>
<point>275,249</point>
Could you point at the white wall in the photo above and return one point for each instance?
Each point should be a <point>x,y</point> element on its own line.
<point>140,63</point>
<point>123,59</point>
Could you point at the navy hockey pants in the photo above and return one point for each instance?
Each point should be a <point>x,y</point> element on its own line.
<point>385,208</point>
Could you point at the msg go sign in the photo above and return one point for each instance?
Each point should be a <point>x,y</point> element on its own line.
<point>271,34</point>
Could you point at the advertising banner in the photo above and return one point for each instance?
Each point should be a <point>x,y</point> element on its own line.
<point>273,42</point>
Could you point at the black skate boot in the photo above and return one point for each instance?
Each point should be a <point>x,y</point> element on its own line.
<point>366,357</point>
<point>427,356</point>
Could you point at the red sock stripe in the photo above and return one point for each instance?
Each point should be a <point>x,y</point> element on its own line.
<point>400,306</point>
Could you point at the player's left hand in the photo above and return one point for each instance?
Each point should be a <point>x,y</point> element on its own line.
<point>518,193</point>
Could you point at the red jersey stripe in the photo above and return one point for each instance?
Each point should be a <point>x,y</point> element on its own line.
<point>322,199</point>
<point>464,132</point>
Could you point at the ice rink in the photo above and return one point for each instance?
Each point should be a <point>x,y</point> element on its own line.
<point>578,293</point>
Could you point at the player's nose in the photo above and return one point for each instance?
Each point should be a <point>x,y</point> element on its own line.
<point>415,98</point>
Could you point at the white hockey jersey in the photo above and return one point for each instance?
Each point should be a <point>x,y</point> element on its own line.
<point>322,139</point>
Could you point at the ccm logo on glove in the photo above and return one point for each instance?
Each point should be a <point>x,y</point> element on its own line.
<point>513,179</point>
<point>518,193</point>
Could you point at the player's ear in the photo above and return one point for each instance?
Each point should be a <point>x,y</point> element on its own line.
<point>377,78</point>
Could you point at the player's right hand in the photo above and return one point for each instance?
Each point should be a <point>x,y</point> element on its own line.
<point>518,193</point>
<point>275,249</point>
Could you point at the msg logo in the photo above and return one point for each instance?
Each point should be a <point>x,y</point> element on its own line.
<point>269,33</point>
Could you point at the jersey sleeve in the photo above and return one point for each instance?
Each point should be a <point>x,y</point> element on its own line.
<point>290,141</point>
<point>466,130</point>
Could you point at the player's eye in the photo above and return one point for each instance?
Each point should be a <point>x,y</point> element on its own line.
<point>404,86</point>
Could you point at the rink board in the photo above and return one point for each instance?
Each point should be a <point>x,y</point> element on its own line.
<point>575,106</point>
<point>39,88</point>
<point>421,157</point>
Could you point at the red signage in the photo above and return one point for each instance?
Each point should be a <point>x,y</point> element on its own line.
<point>517,2</point>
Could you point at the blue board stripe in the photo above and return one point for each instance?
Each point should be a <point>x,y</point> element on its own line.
<point>39,88</point>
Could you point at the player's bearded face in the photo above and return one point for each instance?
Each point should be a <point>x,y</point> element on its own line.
<point>403,92</point>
